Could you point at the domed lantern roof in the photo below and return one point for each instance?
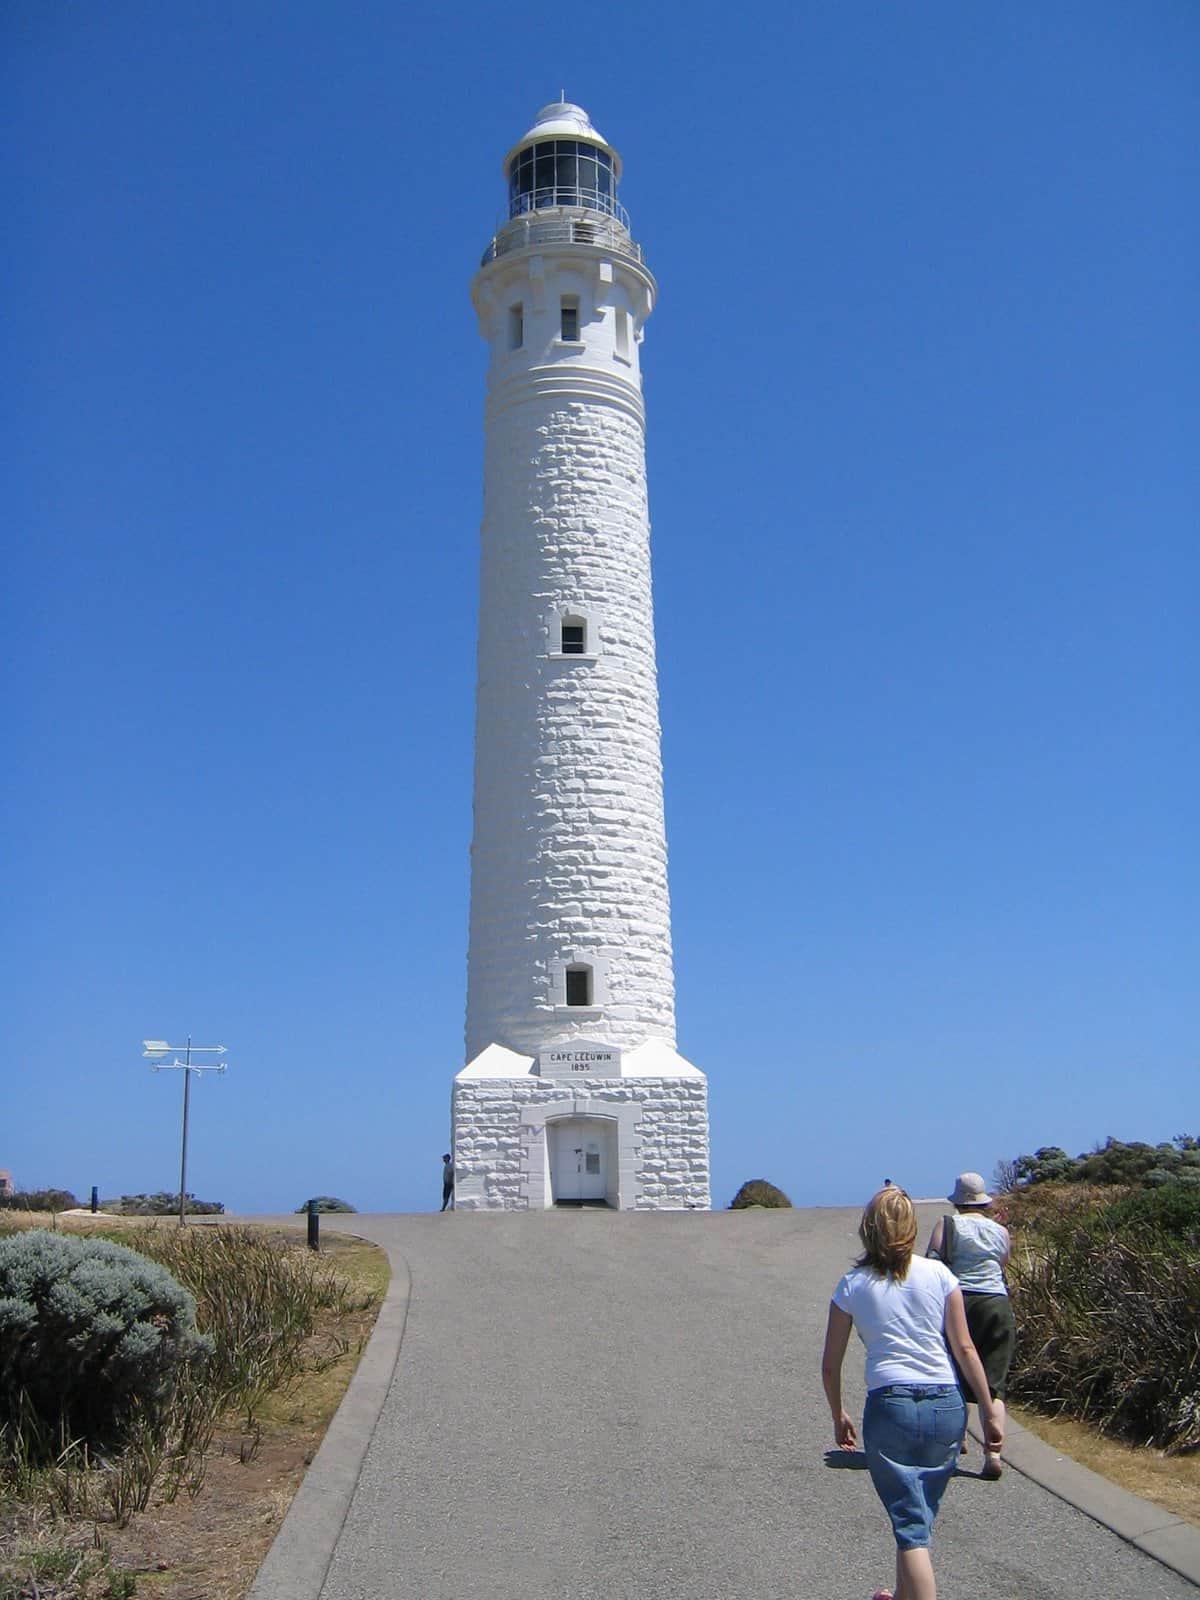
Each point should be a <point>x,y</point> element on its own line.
<point>563,120</point>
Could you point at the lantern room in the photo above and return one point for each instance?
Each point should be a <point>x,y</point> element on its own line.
<point>562,161</point>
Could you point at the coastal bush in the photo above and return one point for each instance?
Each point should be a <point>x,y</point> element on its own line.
<point>92,1337</point>
<point>38,1200</point>
<point>268,1313</point>
<point>758,1192</point>
<point>162,1204</point>
<point>326,1202</point>
<point>1172,1209</point>
<point>1107,1304</point>
<point>1115,1162</point>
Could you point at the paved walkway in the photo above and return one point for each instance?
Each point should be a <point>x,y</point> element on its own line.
<point>600,1406</point>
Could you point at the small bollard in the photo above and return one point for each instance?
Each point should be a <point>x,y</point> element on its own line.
<point>314,1225</point>
<point>95,1199</point>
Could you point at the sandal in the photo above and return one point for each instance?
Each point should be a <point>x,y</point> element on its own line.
<point>882,1594</point>
<point>993,1467</point>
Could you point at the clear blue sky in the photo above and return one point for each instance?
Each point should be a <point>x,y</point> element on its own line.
<point>922,389</point>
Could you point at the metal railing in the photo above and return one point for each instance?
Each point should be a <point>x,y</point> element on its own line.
<point>572,196</point>
<point>545,227</point>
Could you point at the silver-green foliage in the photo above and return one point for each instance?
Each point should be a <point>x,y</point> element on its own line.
<point>92,1335</point>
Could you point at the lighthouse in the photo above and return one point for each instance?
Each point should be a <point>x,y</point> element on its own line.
<point>573,1092</point>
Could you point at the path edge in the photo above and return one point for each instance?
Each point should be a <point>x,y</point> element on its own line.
<point>297,1564</point>
<point>1157,1533</point>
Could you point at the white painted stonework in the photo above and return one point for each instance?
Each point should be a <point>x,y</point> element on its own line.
<point>570,935</point>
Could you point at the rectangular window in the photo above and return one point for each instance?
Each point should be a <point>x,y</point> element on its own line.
<point>570,321</point>
<point>622,334</point>
<point>572,638</point>
<point>579,986</point>
<point>516,326</point>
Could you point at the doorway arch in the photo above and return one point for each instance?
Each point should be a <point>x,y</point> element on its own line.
<point>620,1123</point>
<point>583,1158</point>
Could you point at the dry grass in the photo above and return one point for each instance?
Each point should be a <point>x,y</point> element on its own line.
<point>71,1221</point>
<point>1172,1482</point>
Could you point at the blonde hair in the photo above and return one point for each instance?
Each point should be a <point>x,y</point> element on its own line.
<point>888,1231</point>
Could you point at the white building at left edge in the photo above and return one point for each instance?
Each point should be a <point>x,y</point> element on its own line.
<point>573,1092</point>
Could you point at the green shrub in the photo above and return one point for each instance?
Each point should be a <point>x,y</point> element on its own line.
<point>1171,1208</point>
<point>1113,1163</point>
<point>39,1200</point>
<point>327,1202</point>
<point>1118,1161</point>
<point>162,1204</point>
<point>1050,1164</point>
<point>92,1337</point>
<point>758,1192</point>
<point>261,1305</point>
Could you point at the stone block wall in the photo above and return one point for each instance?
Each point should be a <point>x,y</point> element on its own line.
<point>569,859</point>
<point>662,1139</point>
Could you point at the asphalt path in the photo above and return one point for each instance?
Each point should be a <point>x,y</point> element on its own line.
<point>592,1405</point>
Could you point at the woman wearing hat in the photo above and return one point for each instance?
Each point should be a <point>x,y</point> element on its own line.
<point>975,1247</point>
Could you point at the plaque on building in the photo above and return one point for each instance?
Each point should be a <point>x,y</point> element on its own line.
<point>580,1059</point>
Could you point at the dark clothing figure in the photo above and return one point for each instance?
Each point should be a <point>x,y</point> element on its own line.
<point>447,1183</point>
<point>976,1248</point>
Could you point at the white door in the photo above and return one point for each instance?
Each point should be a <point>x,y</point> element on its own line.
<point>578,1169</point>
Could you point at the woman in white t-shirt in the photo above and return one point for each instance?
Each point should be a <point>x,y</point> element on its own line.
<point>906,1309</point>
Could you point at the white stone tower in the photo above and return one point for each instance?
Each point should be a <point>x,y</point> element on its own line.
<point>573,1091</point>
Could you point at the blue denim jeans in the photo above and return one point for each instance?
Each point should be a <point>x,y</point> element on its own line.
<point>911,1435</point>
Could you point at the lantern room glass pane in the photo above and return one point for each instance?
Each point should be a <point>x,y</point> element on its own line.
<point>521,184</point>
<point>561,172</point>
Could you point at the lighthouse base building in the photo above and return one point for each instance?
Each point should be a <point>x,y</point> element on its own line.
<point>630,1131</point>
<point>573,1092</point>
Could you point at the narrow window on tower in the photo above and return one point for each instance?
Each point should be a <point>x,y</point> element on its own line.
<point>570,320</point>
<point>622,334</point>
<point>579,985</point>
<point>579,981</point>
<point>573,641</point>
<point>516,326</point>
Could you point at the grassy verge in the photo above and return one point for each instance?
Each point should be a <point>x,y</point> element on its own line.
<point>1172,1482</point>
<point>72,1532</point>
